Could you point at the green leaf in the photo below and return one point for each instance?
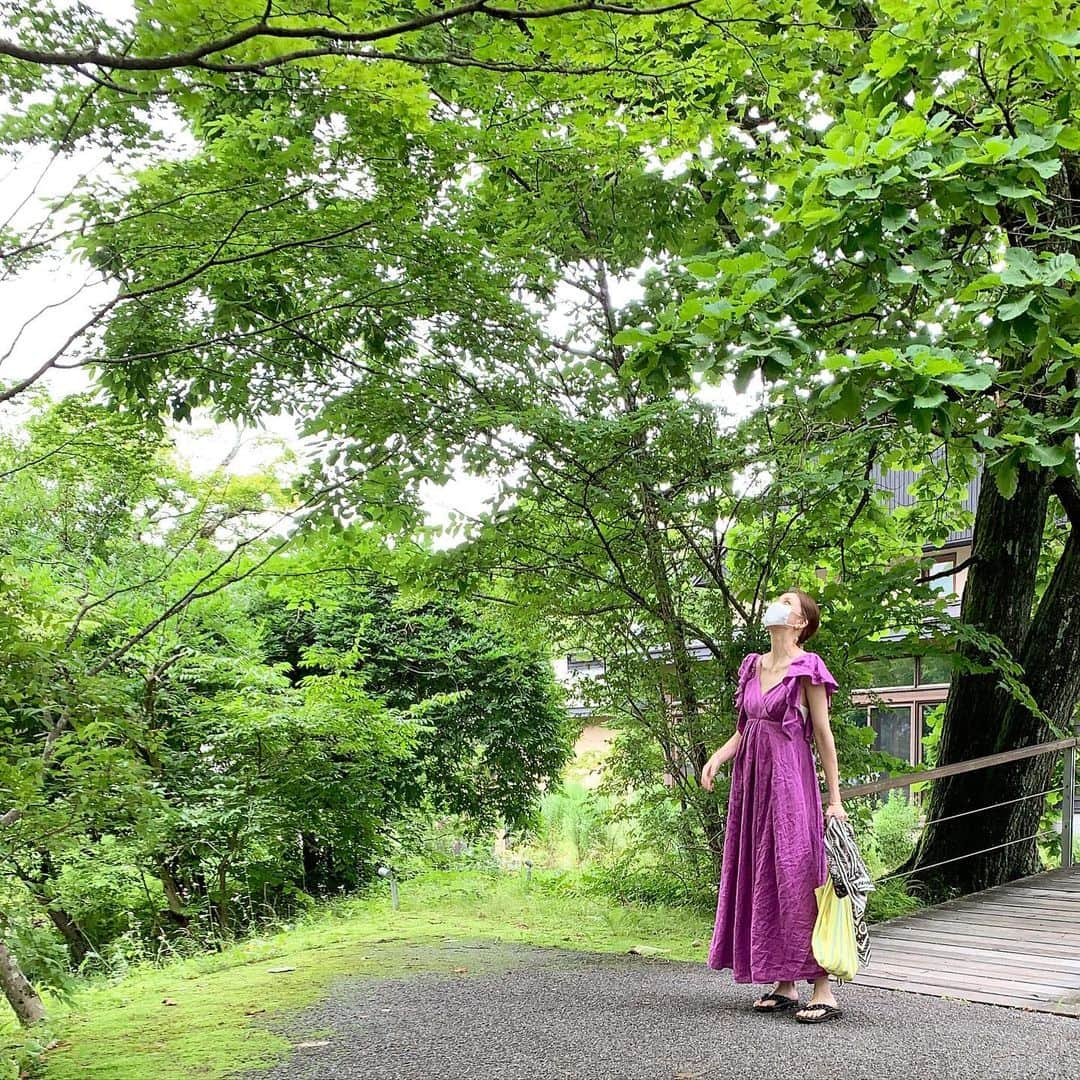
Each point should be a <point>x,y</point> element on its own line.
<point>1021,265</point>
<point>844,185</point>
<point>701,269</point>
<point>1012,191</point>
<point>930,400</point>
<point>1026,329</point>
<point>1048,456</point>
<point>969,380</point>
<point>744,374</point>
<point>923,421</point>
<point>821,214</point>
<point>1059,266</point>
<point>898,276</point>
<point>1008,312</point>
<point>1005,479</point>
<point>894,217</point>
<point>632,335</point>
<point>1046,167</point>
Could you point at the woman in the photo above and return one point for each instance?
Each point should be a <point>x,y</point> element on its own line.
<point>774,843</point>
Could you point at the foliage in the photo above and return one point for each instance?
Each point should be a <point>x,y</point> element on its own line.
<point>872,219</point>
<point>456,665</point>
<point>895,823</point>
<point>574,816</point>
<point>891,900</point>
<point>175,767</point>
<point>427,219</point>
<point>932,735</point>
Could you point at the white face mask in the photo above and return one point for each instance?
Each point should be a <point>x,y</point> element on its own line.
<point>776,614</point>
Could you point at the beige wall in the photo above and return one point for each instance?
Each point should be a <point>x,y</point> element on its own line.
<point>593,739</point>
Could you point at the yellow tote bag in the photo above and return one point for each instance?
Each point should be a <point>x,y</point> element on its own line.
<point>833,942</point>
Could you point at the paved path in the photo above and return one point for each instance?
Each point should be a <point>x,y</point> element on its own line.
<point>525,1012</point>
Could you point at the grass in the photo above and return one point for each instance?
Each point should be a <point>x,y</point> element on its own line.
<point>215,1015</point>
<point>890,900</point>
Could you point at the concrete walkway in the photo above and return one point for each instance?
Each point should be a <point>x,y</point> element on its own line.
<point>508,1011</point>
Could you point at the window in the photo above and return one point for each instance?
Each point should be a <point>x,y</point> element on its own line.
<point>892,728</point>
<point>891,671</point>
<point>927,754</point>
<point>935,671</point>
<point>946,584</point>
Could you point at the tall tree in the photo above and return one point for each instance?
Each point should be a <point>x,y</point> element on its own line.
<point>911,255</point>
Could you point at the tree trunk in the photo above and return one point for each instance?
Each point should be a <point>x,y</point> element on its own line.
<point>176,912</point>
<point>223,896</point>
<point>42,887</point>
<point>78,947</point>
<point>682,670</point>
<point>17,989</point>
<point>1052,673</point>
<point>982,718</point>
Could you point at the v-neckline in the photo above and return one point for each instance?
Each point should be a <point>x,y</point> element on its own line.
<point>757,675</point>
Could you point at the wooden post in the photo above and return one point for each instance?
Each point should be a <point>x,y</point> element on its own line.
<point>1068,802</point>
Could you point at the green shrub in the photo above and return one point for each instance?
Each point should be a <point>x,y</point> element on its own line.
<point>894,827</point>
<point>889,900</point>
<point>631,878</point>
<point>575,818</point>
<point>443,842</point>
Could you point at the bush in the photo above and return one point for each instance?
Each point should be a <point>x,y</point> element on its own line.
<point>889,900</point>
<point>443,842</point>
<point>574,819</point>
<point>894,828</point>
<point>637,883</point>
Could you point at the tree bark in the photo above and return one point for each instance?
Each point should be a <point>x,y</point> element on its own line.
<point>22,997</point>
<point>1053,674</point>
<point>40,884</point>
<point>222,904</point>
<point>72,933</point>
<point>176,912</point>
<point>982,718</point>
<point>682,671</point>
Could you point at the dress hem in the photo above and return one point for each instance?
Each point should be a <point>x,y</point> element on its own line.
<point>760,980</point>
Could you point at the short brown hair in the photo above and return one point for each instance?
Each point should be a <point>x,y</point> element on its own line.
<point>812,614</point>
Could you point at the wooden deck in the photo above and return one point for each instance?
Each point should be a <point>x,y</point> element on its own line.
<point>1016,945</point>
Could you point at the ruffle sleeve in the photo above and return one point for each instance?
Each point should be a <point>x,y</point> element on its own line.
<point>812,666</point>
<point>746,673</point>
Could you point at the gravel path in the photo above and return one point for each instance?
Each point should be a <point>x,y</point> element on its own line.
<point>538,1013</point>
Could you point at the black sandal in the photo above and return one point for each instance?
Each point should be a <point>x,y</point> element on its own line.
<point>783,1003</point>
<point>828,1012</point>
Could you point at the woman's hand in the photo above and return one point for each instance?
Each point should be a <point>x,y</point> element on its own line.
<point>836,810</point>
<point>724,754</point>
<point>708,774</point>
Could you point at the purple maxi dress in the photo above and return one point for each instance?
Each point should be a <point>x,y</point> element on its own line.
<point>774,842</point>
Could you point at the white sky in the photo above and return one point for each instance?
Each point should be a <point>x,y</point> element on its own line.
<point>62,289</point>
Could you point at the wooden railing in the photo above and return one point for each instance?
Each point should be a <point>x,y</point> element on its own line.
<point>1068,788</point>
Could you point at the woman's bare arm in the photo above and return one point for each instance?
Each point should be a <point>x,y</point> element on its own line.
<point>724,754</point>
<point>818,703</point>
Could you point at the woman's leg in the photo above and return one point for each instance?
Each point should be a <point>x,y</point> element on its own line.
<point>788,989</point>
<point>822,995</point>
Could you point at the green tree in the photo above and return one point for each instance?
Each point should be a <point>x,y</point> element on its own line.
<point>912,259</point>
<point>191,710</point>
